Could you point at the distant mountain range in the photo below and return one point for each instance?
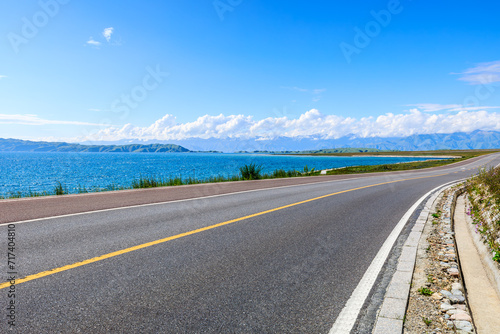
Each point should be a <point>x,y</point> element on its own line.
<point>39,146</point>
<point>454,141</point>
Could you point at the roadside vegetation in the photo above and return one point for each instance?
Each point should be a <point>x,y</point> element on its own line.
<point>254,172</point>
<point>456,153</point>
<point>392,167</point>
<point>484,195</point>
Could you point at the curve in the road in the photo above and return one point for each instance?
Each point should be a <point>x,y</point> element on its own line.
<point>181,235</point>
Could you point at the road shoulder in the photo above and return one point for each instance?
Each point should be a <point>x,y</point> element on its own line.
<point>451,288</point>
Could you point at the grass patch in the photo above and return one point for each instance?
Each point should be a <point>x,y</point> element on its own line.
<point>425,291</point>
<point>392,167</point>
<point>484,195</point>
<point>496,257</point>
<point>458,153</point>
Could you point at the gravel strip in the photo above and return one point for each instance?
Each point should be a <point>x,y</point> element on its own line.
<point>437,302</point>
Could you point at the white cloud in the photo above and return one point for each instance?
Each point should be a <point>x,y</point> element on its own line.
<point>297,89</point>
<point>316,93</point>
<point>107,32</point>
<point>3,76</point>
<point>482,73</point>
<point>433,107</point>
<point>92,42</point>
<point>311,123</point>
<point>30,119</point>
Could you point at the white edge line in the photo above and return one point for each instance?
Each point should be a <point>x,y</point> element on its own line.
<point>180,200</point>
<point>349,314</point>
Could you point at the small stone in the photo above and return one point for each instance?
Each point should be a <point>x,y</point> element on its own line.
<point>457,299</point>
<point>457,292</point>
<point>463,325</point>
<point>444,264</point>
<point>460,307</point>
<point>437,296</point>
<point>446,307</point>
<point>445,293</point>
<point>461,316</point>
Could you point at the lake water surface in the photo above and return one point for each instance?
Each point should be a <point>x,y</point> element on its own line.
<point>22,171</point>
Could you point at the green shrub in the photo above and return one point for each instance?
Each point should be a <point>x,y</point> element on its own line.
<point>59,189</point>
<point>251,171</point>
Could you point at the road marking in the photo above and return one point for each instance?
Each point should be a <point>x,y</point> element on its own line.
<point>181,235</point>
<point>349,314</point>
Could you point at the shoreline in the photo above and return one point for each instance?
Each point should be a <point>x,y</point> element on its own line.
<point>61,189</point>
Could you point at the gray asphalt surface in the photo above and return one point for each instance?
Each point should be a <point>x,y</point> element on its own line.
<point>287,271</point>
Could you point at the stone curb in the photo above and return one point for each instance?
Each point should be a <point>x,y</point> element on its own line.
<point>393,309</point>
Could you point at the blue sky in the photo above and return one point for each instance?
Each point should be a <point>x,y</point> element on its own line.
<point>109,70</point>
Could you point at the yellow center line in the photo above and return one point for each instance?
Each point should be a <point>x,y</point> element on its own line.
<point>185,234</point>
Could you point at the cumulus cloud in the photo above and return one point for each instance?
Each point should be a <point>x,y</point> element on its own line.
<point>107,32</point>
<point>30,119</point>
<point>93,42</point>
<point>482,73</point>
<point>310,124</point>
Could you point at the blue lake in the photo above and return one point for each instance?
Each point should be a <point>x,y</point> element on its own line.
<point>21,171</point>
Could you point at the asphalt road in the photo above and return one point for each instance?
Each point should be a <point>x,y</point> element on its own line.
<point>285,259</point>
